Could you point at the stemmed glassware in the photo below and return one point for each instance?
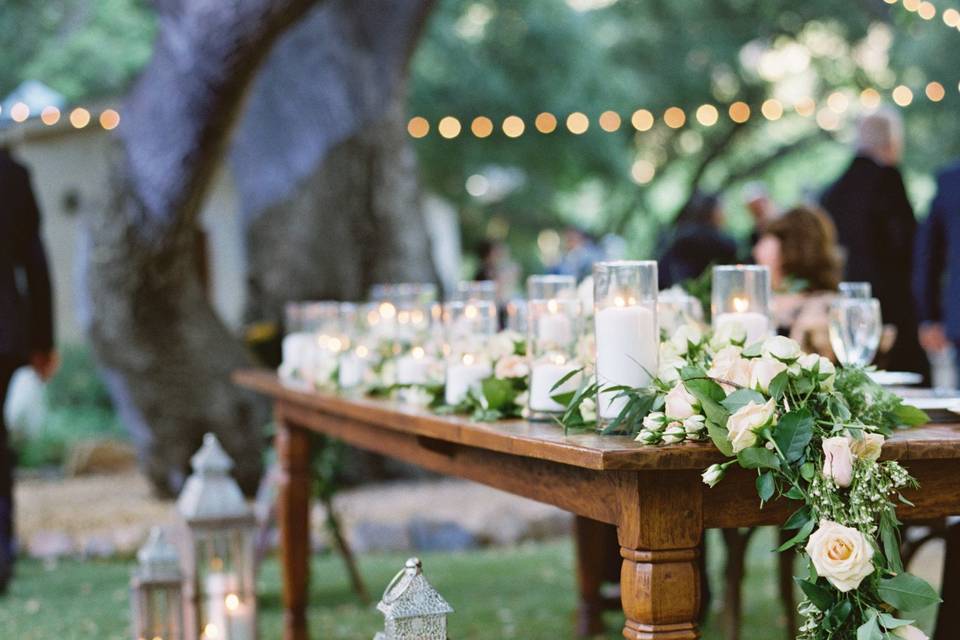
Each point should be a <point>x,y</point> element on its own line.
<point>855,330</point>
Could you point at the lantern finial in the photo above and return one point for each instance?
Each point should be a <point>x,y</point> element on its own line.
<point>211,458</point>
<point>210,493</point>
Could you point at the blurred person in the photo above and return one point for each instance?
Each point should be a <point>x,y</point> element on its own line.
<point>580,252</point>
<point>761,207</point>
<point>498,265</point>
<point>876,229</point>
<point>698,241</point>
<point>937,268</point>
<point>800,249</point>
<point>26,319</point>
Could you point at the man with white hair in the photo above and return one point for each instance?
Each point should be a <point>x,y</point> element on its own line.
<point>876,228</point>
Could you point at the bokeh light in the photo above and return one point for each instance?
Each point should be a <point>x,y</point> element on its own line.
<point>109,119</point>
<point>609,121</point>
<point>642,171</point>
<point>772,109</point>
<point>418,127</point>
<point>513,126</point>
<point>545,122</point>
<point>79,117</point>
<point>707,115</point>
<point>902,95</point>
<point>674,117</point>
<point>870,98</point>
<point>739,112</point>
<point>449,127</point>
<point>935,91</point>
<point>19,112</point>
<point>482,126</point>
<point>50,115</point>
<point>838,102</point>
<point>805,107</point>
<point>577,123</point>
<point>642,120</point>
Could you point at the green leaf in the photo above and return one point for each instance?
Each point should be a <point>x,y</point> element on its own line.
<point>714,411</point>
<point>799,518</point>
<point>869,630</point>
<point>890,622</point>
<point>821,597</point>
<point>795,493</point>
<point>564,398</point>
<point>758,458</point>
<point>559,383</point>
<point>779,384</point>
<point>740,398</point>
<point>755,350</point>
<point>807,471</point>
<point>838,615</point>
<point>802,535</point>
<point>891,541</point>
<point>907,592</point>
<point>499,393</point>
<point>910,416</point>
<point>702,387</point>
<point>720,440</point>
<point>766,485</point>
<point>792,434</point>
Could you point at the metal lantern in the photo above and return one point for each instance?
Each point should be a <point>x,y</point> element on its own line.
<point>218,554</point>
<point>156,598</point>
<point>412,608</point>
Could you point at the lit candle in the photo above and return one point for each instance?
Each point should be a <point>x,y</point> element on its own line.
<point>755,325</point>
<point>544,375</point>
<point>626,351</point>
<point>554,327</point>
<point>414,368</point>
<point>228,618</point>
<point>353,368</point>
<point>462,376</point>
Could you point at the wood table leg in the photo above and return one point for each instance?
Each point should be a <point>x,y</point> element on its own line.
<point>596,546</point>
<point>661,525</point>
<point>293,514</point>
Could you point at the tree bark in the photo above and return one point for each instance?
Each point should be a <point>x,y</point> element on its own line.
<point>166,356</point>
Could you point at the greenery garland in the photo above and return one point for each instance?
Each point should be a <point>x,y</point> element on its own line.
<point>813,434</point>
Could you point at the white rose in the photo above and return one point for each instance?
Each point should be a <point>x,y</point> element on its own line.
<point>684,336</point>
<point>838,460</point>
<point>728,334</point>
<point>669,371</point>
<point>840,554</point>
<point>680,403</point>
<point>909,632</point>
<point>669,351</point>
<point>648,437</point>
<point>763,371</point>
<point>713,475</point>
<point>654,421</point>
<point>501,345</point>
<point>827,367</point>
<point>868,448</point>
<point>587,349</point>
<point>782,348</point>
<point>588,409</point>
<point>674,433</point>
<point>512,367</point>
<point>695,425</point>
<point>414,396</point>
<point>728,366</point>
<point>743,425</point>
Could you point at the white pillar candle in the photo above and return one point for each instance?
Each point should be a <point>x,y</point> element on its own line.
<point>627,346</point>
<point>462,376</point>
<point>241,624</point>
<point>755,324</point>
<point>413,368</point>
<point>543,376</point>
<point>353,368</point>
<point>554,328</point>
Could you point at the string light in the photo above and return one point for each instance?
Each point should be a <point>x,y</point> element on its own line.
<point>927,11</point>
<point>50,115</point>
<point>838,102</point>
<point>449,127</point>
<point>577,123</point>
<point>418,127</point>
<point>707,115</point>
<point>642,171</point>
<point>951,17</point>
<point>642,120</point>
<point>870,98</point>
<point>545,122</point>
<point>902,95</point>
<point>609,121</point>
<point>739,112</point>
<point>828,119</point>
<point>19,112</point>
<point>513,126</point>
<point>935,91</point>
<point>482,126</point>
<point>109,119</point>
<point>674,117</point>
<point>911,5</point>
<point>79,117</point>
<point>771,109</point>
<point>805,107</point>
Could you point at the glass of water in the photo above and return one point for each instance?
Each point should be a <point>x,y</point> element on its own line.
<point>855,328</point>
<point>858,290</point>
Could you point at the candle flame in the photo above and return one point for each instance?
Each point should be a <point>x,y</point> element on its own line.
<point>387,310</point>
<point>558,359</point>
<point>232,601</point>
<point>416,316</point>
<point>211,631</point>
<point>552,306</point>
<point>216,564</point>
<point>619,301</point>
<point>417,352</point>
<point>470,311</point>
<point>740,304</point>
<point>362,351</point>
<point>468,359</point>
<point>335,344</point>
<point>403,317</point>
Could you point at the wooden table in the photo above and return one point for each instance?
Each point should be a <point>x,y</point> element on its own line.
<point>654,496</point>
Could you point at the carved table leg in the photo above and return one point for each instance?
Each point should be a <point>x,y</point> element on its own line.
<point>660,528</point>
<point>596,544</point>
<point>293,515</point>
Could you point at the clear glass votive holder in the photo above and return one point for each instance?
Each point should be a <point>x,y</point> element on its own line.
<point>468,328</point>
<point>549,287</point>
<point>553,330</point>
<point>476,290</point>
<point>516,311</point>
<point>625,324</point>
<point>855,290</point>
<point>740,301</point>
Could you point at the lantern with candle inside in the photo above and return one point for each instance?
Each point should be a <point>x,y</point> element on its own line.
<point>156,597</point>
<point>218,549</point>
<point>625,322</point>
<point>412,608</point>
<point>468,327</point>
<point>552,343</point>
<point>740,302</point>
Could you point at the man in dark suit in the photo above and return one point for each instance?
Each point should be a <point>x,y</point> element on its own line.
<point>26,318</point>
<point>936,275</point>
<point>876,228</point>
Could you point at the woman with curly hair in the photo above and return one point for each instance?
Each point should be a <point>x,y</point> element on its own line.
<point>800,249</point>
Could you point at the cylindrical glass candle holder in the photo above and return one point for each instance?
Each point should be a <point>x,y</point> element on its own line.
<point>625,322</point>
<point>401,293</point>
<point>477,290</point>
<point>740,301</point>
<point>551,345</point>
<point>856,290</point>
<point>551,287</point>
<point>676,308</point>
<point>517,316</point>
<point>468,326</point>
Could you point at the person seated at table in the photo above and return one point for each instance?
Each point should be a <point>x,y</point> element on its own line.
<point>800,249</point>
<point>698,241</point>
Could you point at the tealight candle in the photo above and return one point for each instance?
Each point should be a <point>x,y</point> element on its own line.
<point>544,376</point>
<point>554,327</point>
<point>741,298</point>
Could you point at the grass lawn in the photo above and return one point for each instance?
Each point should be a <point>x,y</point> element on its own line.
<point>524,592</point>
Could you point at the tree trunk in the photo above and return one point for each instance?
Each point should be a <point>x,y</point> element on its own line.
<point>167,358</point>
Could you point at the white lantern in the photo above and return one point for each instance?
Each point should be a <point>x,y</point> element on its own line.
<point>156,597</point>
<point>413,609</point>
<point>218,555</point>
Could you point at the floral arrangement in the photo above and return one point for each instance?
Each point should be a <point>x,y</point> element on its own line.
<point>812,434</point>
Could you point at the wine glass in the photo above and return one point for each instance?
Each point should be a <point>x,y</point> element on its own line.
<point>858,290</point>
<point>855,328</point>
